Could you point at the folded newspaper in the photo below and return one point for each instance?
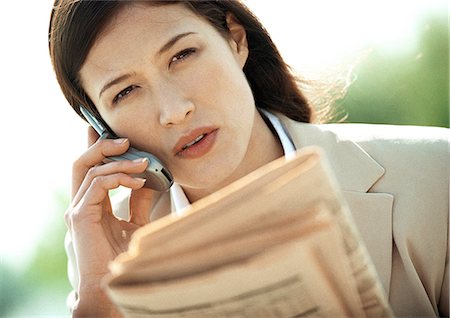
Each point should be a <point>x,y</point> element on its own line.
<point>279,242</point>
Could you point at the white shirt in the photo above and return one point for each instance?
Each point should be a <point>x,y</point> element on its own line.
<point>178,198</point>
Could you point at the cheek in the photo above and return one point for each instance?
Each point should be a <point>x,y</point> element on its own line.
<point>198,82</point>
<point>138,127</point>
<point>146,139</point>
<point>215,80</point>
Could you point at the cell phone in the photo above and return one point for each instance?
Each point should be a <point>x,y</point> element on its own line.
<point>156,175</point>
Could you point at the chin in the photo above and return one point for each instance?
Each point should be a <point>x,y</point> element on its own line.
<point>207,180</point>
<point>214,171</point>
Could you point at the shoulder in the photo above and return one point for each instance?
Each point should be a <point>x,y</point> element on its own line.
<point>404,147</point>
<point>409,136</point>
<point>390,155</point>
<point>385,143</point>
<point>413,161</point>
<point>410,155</point>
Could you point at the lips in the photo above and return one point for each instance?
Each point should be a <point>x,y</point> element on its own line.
<point>196,143</point>
<point>193,142</point>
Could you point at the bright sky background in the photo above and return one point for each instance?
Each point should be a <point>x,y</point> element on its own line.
<point>42,136</point>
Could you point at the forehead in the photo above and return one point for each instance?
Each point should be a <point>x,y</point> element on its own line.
<point>144,13</point>
<point>143,21</point>
<point>138,31</point>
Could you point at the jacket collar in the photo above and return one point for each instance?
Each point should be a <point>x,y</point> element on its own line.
<point>354,168</point>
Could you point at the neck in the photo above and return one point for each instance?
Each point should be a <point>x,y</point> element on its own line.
<point>263,148</point>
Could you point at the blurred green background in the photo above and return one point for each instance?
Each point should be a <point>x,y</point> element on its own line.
<point>400,88</point>
<point>40,286</point>
<point>410,88</point>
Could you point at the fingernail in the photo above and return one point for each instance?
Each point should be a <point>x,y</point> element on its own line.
<point>140,160</point>
<point>141,180</point>
<point>120,140</point>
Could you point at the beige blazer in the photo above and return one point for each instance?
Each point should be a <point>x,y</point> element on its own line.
<point>396,182</point>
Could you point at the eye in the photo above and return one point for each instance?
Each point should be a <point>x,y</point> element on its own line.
<point>182,55</point>
<point>124,94</point>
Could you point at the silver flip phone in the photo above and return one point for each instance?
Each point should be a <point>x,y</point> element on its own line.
<point>156,175</point>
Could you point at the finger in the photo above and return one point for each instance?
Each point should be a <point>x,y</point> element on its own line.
<point>92,136</point>
<point>95,155</point>
<point>99,187</point>
<point>124,166</point>
<point>107,208</point>
<point>140,204</point>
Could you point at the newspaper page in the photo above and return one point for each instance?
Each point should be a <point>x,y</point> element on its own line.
<point>289,280</point>
<point>212,245</point>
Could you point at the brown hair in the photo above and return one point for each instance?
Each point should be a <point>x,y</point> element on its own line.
<point>75,25</point>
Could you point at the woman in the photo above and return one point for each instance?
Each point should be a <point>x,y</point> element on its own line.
<point>201,86</point>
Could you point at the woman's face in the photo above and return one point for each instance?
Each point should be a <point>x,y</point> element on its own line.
<point>167,80</point>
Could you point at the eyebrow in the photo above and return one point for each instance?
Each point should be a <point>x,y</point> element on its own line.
<point>172,42</point>
<point>165,48</point>
<point>113,82</point>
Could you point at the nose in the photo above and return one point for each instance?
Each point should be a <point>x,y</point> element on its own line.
<point>175,108</point>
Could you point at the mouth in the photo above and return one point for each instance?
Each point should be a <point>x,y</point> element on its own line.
<point>193,142</point>
<point>196,143</point>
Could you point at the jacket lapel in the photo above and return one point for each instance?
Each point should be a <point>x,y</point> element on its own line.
<point>356,172</point>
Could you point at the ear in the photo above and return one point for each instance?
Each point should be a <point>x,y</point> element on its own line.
<point>238,39</point>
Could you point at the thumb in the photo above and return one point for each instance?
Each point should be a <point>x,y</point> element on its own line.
<point>141,201</point>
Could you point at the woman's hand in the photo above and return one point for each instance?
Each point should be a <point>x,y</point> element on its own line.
<point>98,236</point>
